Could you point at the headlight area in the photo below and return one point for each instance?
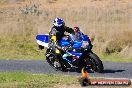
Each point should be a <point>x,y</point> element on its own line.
<point>85,44</point>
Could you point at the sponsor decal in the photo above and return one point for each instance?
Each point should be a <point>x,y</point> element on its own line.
<point>86,81</point>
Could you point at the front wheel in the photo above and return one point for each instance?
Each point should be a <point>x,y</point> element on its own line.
<point>94,63</point>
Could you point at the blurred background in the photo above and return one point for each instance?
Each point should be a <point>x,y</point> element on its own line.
<point>107,22</point>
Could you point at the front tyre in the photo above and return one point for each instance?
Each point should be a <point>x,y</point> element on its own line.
<point>94,63</point>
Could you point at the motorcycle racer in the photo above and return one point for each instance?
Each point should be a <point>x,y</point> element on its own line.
<point>79,51</point>
<point>57,32</point>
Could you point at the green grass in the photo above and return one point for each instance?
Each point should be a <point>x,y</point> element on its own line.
<point>20,48</point>
<point>22,57</point>
<point>28,80</point>
<point>114,58</point>
<point>25,48</point>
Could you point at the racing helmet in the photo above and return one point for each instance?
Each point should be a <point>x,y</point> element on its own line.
<point>58,22</point>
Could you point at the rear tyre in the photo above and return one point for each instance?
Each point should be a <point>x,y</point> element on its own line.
<point>55,61</point>
<point>51,60</point>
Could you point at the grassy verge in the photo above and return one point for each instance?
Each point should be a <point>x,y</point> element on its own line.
<point>114,58</point>
<point>20,48</point>
<point>28,80</point>
<point>25,48</point>
<point>22,57</point>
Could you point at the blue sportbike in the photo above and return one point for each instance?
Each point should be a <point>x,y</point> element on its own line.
<point>78,54</point>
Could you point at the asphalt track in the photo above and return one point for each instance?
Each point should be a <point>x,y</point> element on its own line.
<point>111,69</point>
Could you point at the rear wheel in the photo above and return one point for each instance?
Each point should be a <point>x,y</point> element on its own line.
<point>52,62</point>
<point>55,61</point>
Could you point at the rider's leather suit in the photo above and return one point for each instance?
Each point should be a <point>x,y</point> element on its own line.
<point>56,34</point>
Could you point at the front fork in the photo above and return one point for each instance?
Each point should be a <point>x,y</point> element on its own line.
<point>84,60</point>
